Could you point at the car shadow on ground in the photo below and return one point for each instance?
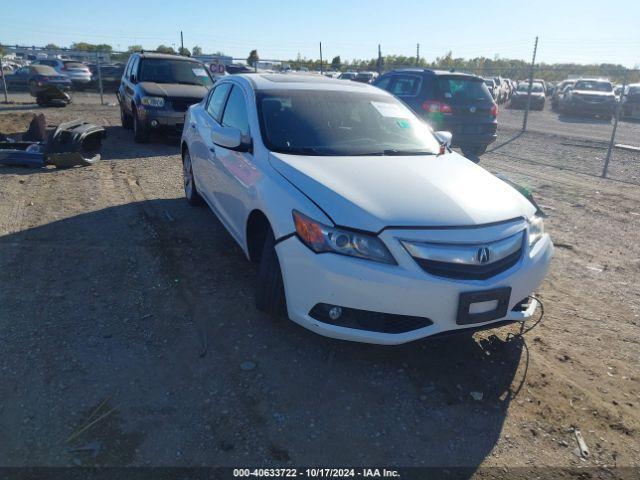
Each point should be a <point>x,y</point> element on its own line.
<point>119,145</point>
<point>148,307</point>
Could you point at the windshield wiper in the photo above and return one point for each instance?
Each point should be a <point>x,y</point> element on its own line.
<point>394,152</point>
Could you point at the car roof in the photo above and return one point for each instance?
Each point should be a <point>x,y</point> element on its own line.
<point>293,81</point>
<point>166,56</point>
<point>429,71</point>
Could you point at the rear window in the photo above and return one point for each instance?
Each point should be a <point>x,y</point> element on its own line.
<point>405,85</point>
<point>593,85</point>
<point>460,90</point>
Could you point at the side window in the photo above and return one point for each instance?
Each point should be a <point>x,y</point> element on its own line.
<point>235,113</point>
<point>383,82</point>
<point>134,68</point>
<point>216,101</point>
<point>127,70</point>
<point>406,85</point>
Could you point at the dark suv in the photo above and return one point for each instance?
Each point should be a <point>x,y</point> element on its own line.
<point>457,102</point>
<point>156,90</point>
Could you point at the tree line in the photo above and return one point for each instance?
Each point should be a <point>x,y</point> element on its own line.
<point>487,67</point>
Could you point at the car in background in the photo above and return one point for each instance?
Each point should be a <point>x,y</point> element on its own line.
<point>233,68</point>
<point>519,99</point>
<point>558,91</point>
<point>500,93</point>
<point>630,108</point>
<point>110,75</point>
<point>456,102</point>
<point>37,76</point>
<point>589,97</point>
<point>347,76</point>
<point>364,225</point>
<point>156,90</point>
<point>491,86</point>
<point>365,77</point>
<point>78,72</point>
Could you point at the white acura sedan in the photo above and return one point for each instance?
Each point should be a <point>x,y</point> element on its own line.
<point>365,225</point>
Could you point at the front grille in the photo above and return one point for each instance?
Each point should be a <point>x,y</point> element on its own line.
<point>370,321</point>
<point>181,104</point>
<point>467,261</point>
<point>459,271</point>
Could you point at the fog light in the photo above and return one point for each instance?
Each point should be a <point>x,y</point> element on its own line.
<point>154,123</point>
<point>335,313</point>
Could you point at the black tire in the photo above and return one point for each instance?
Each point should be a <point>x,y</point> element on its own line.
<point>125,120</point>
<point>190,191</point>
<point>472,152</point>
<point>141,133</point>
<point>270,296</point>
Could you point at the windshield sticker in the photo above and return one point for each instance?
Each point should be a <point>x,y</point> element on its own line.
<point>199,72</point>
<point>389,110</point>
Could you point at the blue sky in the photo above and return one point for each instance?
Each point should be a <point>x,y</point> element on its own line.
<point>585,31</point>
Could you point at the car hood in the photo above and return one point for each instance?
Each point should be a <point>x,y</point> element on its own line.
<point>174,90</point>
<point>371,193</point>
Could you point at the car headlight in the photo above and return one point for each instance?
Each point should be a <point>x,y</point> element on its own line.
<point>153,101</point>
<point>536,229</point>
<point>323,238</point>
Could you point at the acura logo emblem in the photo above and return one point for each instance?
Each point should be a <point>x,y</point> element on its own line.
<point>472,109</point>
<point>483,255</point>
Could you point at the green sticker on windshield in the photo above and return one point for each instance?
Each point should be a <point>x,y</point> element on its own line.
<point>403,123</point>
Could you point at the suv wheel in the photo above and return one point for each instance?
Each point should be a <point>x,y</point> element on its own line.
<point>141,133</point>
<point>190,191</point>
<point>125,119</point>
<point>473,152</point>
<point>270,289</point>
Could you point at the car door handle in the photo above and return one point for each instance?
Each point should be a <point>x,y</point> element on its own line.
<point>193,125</point>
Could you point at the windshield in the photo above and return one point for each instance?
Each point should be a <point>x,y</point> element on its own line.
<point>535,87</point>
<point>592,85</point>
<point>162,70</point>
<point>324,122</point>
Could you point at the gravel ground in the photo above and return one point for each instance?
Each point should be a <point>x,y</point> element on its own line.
<point>130,337</point>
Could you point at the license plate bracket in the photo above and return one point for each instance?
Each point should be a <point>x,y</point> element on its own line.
<point>501,295</point>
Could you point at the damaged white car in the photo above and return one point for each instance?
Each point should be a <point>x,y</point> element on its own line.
<point>365,225</point>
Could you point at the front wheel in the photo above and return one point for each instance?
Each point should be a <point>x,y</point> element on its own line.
<point>141,132</point>
<point>270,296</point>
<point>125,119</point>
<point>473,152</point>
<point>190,191</point>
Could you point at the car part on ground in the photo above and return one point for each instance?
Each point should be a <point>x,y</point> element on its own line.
<point>71,144</point>
<point>51,96</point>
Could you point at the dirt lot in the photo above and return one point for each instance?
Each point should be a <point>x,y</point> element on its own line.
<point>129,335</point>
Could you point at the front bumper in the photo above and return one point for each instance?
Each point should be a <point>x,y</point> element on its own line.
<point>403,289</point>
<point>161,118</point>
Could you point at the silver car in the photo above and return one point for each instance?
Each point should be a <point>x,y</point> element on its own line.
<point>79,73</point>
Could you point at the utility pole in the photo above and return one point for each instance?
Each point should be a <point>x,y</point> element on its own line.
<point>417,54</point>
<point>379,64</point>
<point>181,43</point>
<point>320,58</point>
<point>615,127</point>
<point>533,62</point>
<point>4,84</point>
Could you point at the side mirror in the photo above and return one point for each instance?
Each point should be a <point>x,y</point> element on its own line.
<point>231,138</point>
<point>444,138</point>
